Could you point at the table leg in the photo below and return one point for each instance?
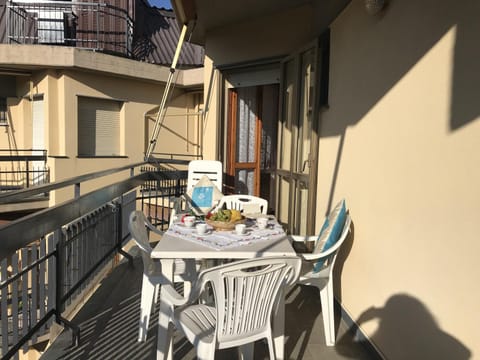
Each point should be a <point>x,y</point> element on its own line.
<point>279,327</point>
<point>164,338</point>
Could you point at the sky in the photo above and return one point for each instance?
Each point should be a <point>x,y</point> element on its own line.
<point>161,3</point>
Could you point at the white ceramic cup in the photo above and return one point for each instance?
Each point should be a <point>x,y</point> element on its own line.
<point>262,222</point>
<point>201,228</point>
<point>240,229</point>
<point>189,221</point>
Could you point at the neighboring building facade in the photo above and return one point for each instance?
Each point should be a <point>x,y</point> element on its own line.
<point>94,110</point>
<point>308,102</point>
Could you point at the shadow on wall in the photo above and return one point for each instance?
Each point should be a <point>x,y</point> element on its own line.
<point>407,330</point>
<point>342,256</point>
<point>388,45</point>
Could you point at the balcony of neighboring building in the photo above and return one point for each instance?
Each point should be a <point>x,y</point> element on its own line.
<point>131,29</point>
<point>22,169</point>
<point>97,26</point>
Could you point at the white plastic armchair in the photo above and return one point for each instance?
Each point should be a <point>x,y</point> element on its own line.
<point>196,170</point>
<point>239,201</point>
<point>323,279</point>
<point>211,168</point>
<point>245,293</point>
<point>185,271</point>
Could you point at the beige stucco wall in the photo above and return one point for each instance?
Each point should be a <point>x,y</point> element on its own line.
<point>83,73</point>
<point>399,141</point>
<point>403,132</point>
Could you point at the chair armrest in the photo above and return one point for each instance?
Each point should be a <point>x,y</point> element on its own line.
<point>317,256</point>
<point>173,296</point>
<point>302,238</point>
<point>177,203</point>
<point>310,256</point>
<point>176,208</point>
<point>153,228</point>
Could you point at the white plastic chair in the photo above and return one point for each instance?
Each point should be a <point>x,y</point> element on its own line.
<point>196,170</point>
<point>245,293</point>
<point>323,279</point>
<point>211,168</point>
<point>238,201</point>
<point>152,275</point>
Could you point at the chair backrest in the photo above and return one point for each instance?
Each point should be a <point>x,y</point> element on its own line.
<point>245,292</point>
<point>211,168</point>
<point>331,253</point>
<point>136,225</point>
<point>238,201</point>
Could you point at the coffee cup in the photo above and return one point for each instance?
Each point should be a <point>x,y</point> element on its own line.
<point>189,221</point>
<point>201,228</point>
<point>262,222</point>
<point>240,229</point>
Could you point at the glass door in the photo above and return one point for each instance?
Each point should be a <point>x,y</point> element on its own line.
<point>251,141</point>
<point>297,144</point>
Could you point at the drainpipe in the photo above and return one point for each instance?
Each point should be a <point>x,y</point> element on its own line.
<point>162,110</point>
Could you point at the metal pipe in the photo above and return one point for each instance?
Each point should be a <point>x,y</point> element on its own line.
<point>161,111</point>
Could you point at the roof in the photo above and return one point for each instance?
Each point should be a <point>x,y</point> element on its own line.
<point>156,35</point>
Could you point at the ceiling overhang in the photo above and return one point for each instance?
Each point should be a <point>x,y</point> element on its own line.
<point>205,15</point>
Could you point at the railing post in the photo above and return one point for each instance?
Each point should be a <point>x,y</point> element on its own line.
<point>98,25</point>
<point>59,285</point>
<point>7,21</point>
<point>118,209</point>
<point>27,169</point>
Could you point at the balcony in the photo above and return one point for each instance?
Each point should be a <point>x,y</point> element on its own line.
<point>52,261</point>
<point>23,169</point>
<point>20,169</point>
<point>89,25</point>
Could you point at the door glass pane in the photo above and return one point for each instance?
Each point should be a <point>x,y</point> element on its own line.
<point>247,104</point>
<point>305,112</point>
<point>244,182</point>
<point>268,144</point>
<point>287,116</point>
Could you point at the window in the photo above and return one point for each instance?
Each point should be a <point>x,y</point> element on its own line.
<point>98,127</point>
<point>3,111</point>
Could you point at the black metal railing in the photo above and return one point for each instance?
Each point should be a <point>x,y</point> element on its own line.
<point>23,168</point>
<point>91,25</point>
<point>50,259</point>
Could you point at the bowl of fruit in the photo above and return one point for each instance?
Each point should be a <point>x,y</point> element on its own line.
<point>224,219</point>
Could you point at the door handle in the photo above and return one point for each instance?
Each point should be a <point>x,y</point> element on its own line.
<point>305,163</point>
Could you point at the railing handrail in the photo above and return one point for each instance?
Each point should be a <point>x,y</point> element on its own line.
<point>68,4</point>
<point>13,196</point>
<point>20,233</point>
<point>23,158</point>
<point>15,155</point>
